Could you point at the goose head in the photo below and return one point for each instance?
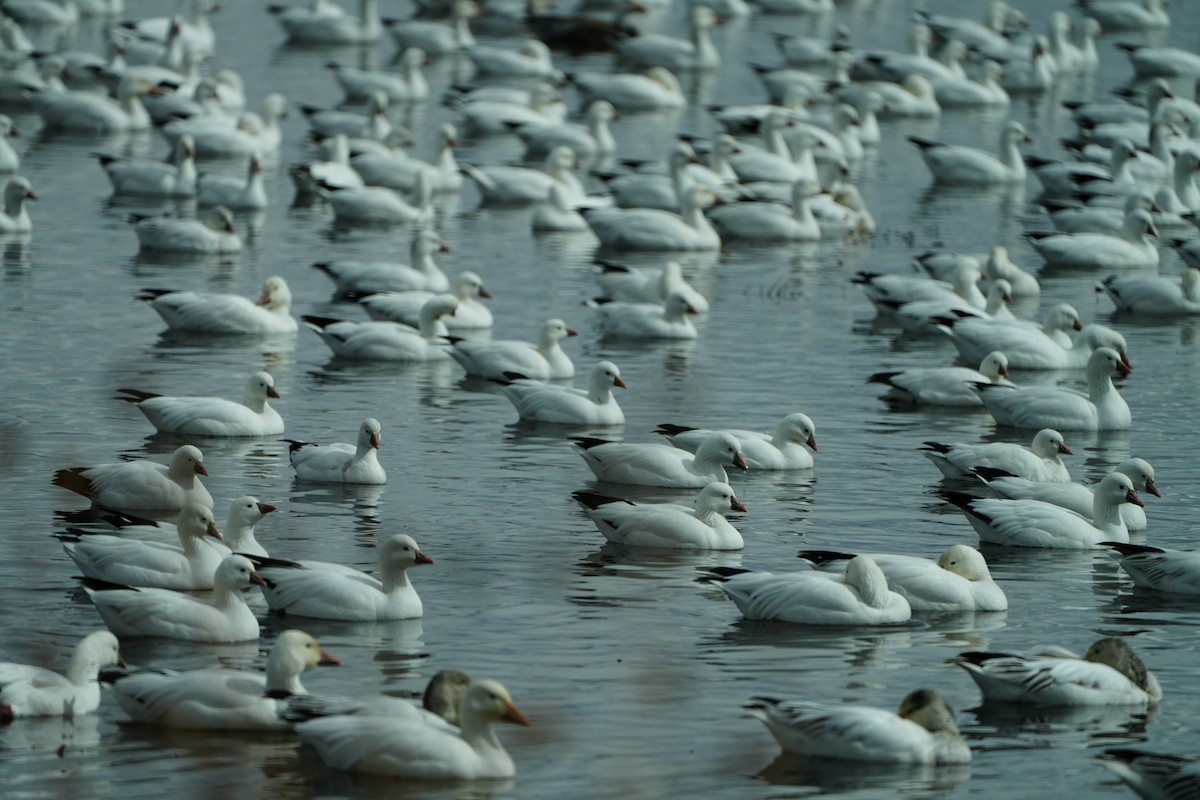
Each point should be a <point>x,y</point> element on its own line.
<point>994,365</point>
<point>717,497</point>
<point>965,561</point>
<point>196,521</point>
<point>1049,443</point>
<point>370,435</point>
<point>276,296</point>
<point>187,461</point>
<point>261,386</point>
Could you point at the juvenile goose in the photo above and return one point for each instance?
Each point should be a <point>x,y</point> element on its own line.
<point>339,462</point>
<point>667,525</point>
<point>213,416</point>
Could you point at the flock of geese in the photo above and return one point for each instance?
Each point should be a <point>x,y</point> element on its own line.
<point>1134,180</point>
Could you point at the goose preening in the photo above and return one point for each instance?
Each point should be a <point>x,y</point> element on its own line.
<point>213,416</point>
<point>942,386</point>
<point>142,485</point>
<point>789,446</point>
<point>667,525</point>
<point>203,312</point>
<point>923,731</point>
<point>659,464</point>
<point>31,691</point>
<point>340,462</point>
<point>535,401</point>
<point>1038,462</point>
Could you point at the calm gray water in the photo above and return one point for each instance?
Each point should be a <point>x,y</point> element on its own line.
<point>632,674</point>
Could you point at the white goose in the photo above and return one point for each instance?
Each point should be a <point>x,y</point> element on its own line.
<point>10,162</point>
<point>505,185</point>
<point>588,140</point>
<point>656,89</point>
<point>186,565</point>
<point>955,165</point>
<point>1038,462</point>
<point>783,449</point>
<point>499,116</point>
<point>175,177</point>
<point>221,698</point>
<point>659,464</point>
<point>355,277</point>
<point>984,91</point>
<point>378,205</point>
<point>1151,775</point>
<point>535,401</point>
<point>1133,249</point>
<point>398,170</point>
<point>405,307</point>
<point>408,748</point>
<point>1028,347</point>
<point>29,691</point>
<point>530,60</point>
<point>141,484</point>
<point>239,194</point>
<point>1158,568</point>
<point>238,537</point>
<point>859,597</point>
<point>648,285</point>
<point>543,361</point>
<point>942,386</point>
<point>407,86</point>
<point>215,233</point>
<point>649,229</point>
<point>326,23</point>
<point>371,123</point>
<point>657,50</point>
<point>1109,674</point>
<point>667,525</point>
<point>923,316</point>
<point>387,341</point>
<point>222,616</point>
<point>437,38</point>
<point>331,591</point>
<point>204,312</point>
<point>213,416</point>
<point>1075,496</point>
<point>922,732</point>
<point>1102,408</point>
<point>645,189</point>
<point>339,462</point>
<point>95,114</point>
<point>771,222</point>
<point>221,137</point>
<point>1154,295</point>
<point>668,320</point>
<point>558,214</point>
<point>14,219</point>
<point>998,265</point>
<point>440,701</point>
<point>891,291</point>
<point>1033,523</point>
<point>1128,15</point>
<point>959,580</point>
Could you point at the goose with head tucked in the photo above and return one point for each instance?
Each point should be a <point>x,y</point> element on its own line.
<point>1075,496</point>
<point>30,691</point>
<point>958,580</point>
<point>1111,673</point>
<point>213,416</point>
<point>1038,462</point>
<point>647,284</point>
<point>535,401</point>
<point>662,465</point>
<point>221,698</point>
<point>340,462</point>
<point>543,361</point>
<point>1153,295</point>
<point>1102,408</point>
<point>667,525</point>
<point>1028,347</point>
<point>175,177</point>
<point>405,307</point>
<point>331,591</point>
<point>790,446</point>
<point>377,340</point>
<point>668,320</point>
<point>921,732</point>
<point>142,485</point>
<point>328,24</point>
<point>860,596</point>
<point>1133,249</point>
<point>656,89</point>
<point>215,233</point>
<point>222,616</point>
<point>205,312</point>
<point>358,277</point>
<point>942,386</point>
<point>955,165</point>
<point>1034,523</point>
<point>651,230</point>
<point>421,749</point>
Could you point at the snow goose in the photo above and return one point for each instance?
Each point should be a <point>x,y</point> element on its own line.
<point>93,113</point>
<point>239,194</point>
<point>1109,674</point>
<point>1028,347</point>
<point>1062,179</point>
<point>141,484</point>
<point>397,170</point>
<point>10,162</point>
<point>912,97</point>
<point>1075,496</point>
<point>662,465</point>
<point>221,137</point>
<point>922,732</point>
<point>377,205</point>
<point>505,185</point>
<point>1161,62</point>
<point>405,307</point>
<point>406,87</point>
<point>748,119</point>
<point>326,23</point>
<point>29,691</point>
<point>1154,295</point>
<point>558,214</point>
<point>331,591</point>
<point>955,165</point>
<point>889,66</point>
<point>1072,217</point>
<point>408,748</point>
<point>238,537</point>
<point>543,361</point>
<point>1156,776</point>
<point>923,316</point>
<point>669,320</point>
<point>588,141</point>
<point>645,189</point>
<point>783,449</point>
<point>1128,15</point>
<point>1158,568</point>
<point>1033,523</point>
<point>215,233</point>
<point>340,462</point>
<point>38,13</point>
<point>440,701</point>
<point>195,28</point>
<point>1037,73</point>
<point>204,312</point>
<point>213,416</point>
<point>648,285</point>
<point>222,616</point>
<point>356,277</point>
<point>942,386</point>
<point>186,565</point>
<point>1133,249</point>
<point>1102,408</point>
<point>173,178</point>
<point>535,401</point>
<point>221,698</point>
<point>375,340</point>
<point>496,116</point>
<point>656,89</point>
<point>891,291</point>
<point>773,159</point>
<point>372,123</point>
<point>859,597</point>
<point>998,265</point>
<point>771,222</point>
<point>15,217</point>
<point>649,229</point>
<point>697,52</point>
<point>437,38</point>
<point>1038,462</point>
<point>530,60</point>
<point>959,580</point>
<point>667,525</point>
<point>985,91</point>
